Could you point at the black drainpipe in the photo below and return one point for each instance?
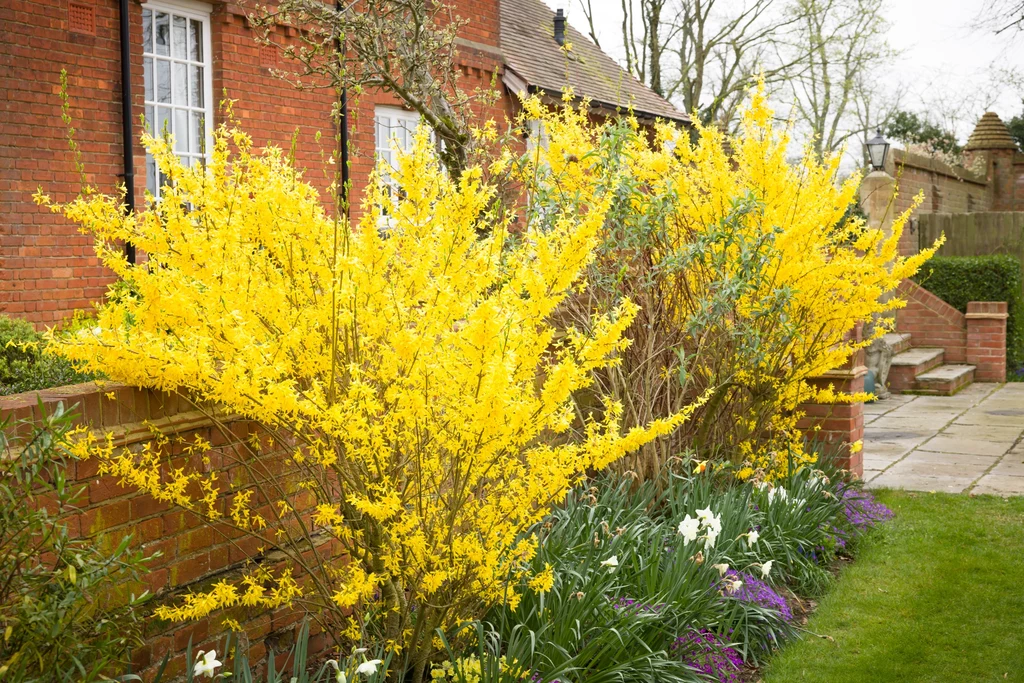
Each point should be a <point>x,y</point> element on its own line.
<point>126,121</point>
<point>342,124</point>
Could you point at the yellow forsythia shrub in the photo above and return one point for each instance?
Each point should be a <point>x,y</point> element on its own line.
<point>410,365</point>
<point>748,278</point>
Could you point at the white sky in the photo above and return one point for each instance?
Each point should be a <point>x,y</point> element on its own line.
<point>942,56</point>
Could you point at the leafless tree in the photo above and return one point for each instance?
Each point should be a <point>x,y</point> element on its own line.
<point>845,45</point>
<point>703,54</point>
<point>874,107</point>
<point>405,47</point>
<point>1001,15</point>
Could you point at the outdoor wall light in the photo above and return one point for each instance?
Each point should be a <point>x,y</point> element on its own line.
<point>878,149</point>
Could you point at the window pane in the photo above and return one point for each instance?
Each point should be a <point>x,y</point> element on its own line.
<point>163,38</point>
<point>180,84</point>
<point>195,40</point>
<point>151,174</point>
<point>149,119</point>
<point>147,30</point>
<point>382,133</point>
<point>163,120</point>
<point>180,130</point>
<point>197,133</point>
<point>195,85</point>
<point>163,80</point>
<point>147,68</point>
<point>178,38</point>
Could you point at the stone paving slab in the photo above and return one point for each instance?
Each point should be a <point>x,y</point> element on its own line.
<point>998,485</point>
<point>971,442</point>
<point>956,444</point>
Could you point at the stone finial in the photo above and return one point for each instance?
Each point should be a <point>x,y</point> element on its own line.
<point>990,133</point>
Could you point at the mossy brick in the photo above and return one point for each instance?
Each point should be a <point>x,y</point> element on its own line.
<point>185,571</point>
<point>144,505</point>
<point>156,580</point>
<point>109,515</point>
<point>193,632</point>
<point>194,540</point>
<point>105,487</point>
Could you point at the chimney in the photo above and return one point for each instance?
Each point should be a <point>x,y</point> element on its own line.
<point>560,27</point>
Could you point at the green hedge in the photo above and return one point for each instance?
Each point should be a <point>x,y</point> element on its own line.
<point>959,279</point>
<point>24,363</point>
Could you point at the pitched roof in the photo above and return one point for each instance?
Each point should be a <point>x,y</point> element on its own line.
<point>990,133</point>
<point>528,43</point>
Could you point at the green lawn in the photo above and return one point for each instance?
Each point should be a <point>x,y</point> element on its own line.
<point>937,594</point>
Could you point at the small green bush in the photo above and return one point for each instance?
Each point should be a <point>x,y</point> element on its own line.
<point>68,609</point>
<point>960,279</point>
<point>24,363</point>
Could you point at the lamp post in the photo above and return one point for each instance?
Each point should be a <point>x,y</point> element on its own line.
<point>878,149</point>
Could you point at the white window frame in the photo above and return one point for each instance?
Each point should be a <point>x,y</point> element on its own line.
<point>395,115</point>
<point>190,10</point>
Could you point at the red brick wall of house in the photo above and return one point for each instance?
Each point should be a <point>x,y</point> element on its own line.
<point>48,269</point>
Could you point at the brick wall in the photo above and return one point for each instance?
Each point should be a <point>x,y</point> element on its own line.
<point>194,554</point>
<point>986,339</point>
<point>946,189</point>
<point>977,338</point>
<point>838,428</point>
<point>932,322</point>
<point>48,269</point>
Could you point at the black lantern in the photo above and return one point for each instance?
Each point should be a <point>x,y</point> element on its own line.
<point>878,149</point>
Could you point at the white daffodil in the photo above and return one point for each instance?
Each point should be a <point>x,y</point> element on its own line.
<point>612,562</point>
<point>715,524</point>
<point>735,586</point>
<point>359,650</point>
<point>339,675</point>
<point>722,568</point>
<point>711,538</point>
<point>689,528</point>
<point>368,668</point>
<point>206,664</point>
<point>766,568</point>
<point>753,536</point>
<point>705,514</point>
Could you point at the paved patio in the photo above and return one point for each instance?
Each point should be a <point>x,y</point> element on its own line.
<point>973,441</point>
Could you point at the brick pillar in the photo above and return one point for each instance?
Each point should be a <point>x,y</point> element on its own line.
<point>986,339</point>
<point>838,427</point>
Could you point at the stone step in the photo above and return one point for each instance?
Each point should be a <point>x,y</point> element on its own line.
<point>908,365</point>
<point>897,342</point>
<point>944,380</point>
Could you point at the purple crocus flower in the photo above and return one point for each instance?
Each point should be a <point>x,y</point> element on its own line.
<point>756,592</point>
<point>707,652</point>
<point>863,511</point>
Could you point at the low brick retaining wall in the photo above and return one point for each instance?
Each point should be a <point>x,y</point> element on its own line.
<point>977,338</point>
<point>193,554</point>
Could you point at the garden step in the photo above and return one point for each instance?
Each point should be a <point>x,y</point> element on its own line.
<point>906,366</point>
<point>897,342</point>
<point>944,380</point>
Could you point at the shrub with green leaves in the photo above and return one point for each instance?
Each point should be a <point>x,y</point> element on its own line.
<point>958,280</point>
<point>67,611</point>
<point>24,363</point>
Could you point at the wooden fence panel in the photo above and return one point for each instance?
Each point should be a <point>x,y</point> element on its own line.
<point>973,234</point>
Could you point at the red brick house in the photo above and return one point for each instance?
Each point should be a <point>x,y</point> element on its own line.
<point>180,56</point>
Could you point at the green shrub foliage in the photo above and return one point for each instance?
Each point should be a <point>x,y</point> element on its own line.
<point>67,607</point>
<point>960,279</point>
<point>24,363</point>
